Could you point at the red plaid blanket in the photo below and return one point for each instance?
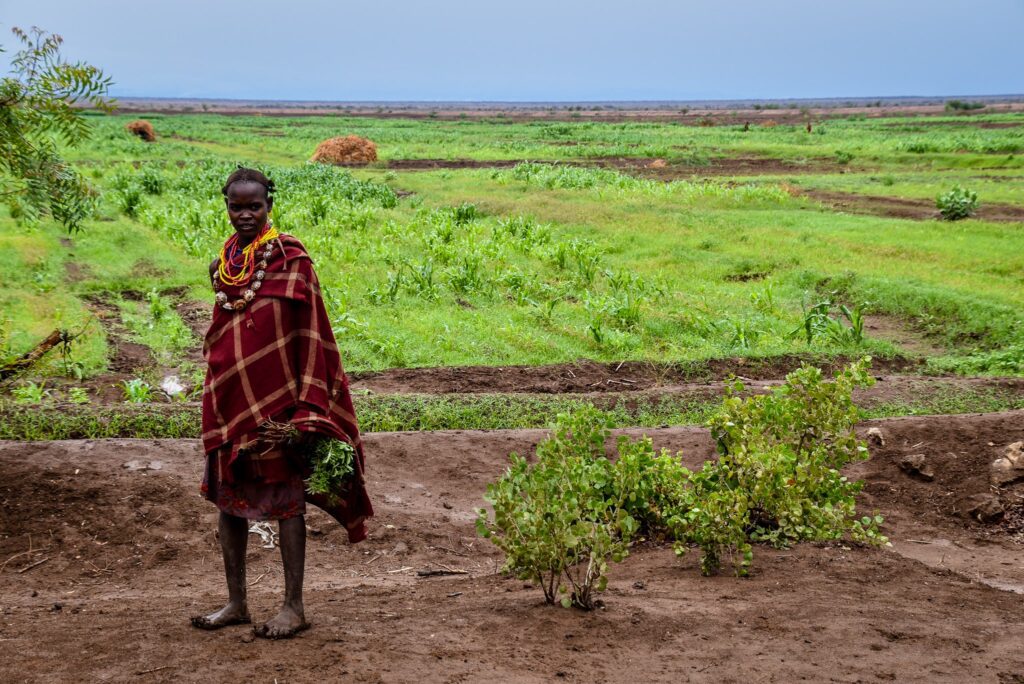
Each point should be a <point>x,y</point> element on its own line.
<point>278,359</point>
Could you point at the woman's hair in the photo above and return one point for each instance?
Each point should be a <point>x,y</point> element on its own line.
<point>245,175</point>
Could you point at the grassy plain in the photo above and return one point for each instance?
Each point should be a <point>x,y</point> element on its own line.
<point>542,264</point>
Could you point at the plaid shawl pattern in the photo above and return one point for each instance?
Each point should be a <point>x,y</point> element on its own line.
<point>278,359</point>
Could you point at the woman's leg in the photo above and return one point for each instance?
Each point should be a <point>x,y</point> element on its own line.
<point>292,618</point>
<point>234,536</point>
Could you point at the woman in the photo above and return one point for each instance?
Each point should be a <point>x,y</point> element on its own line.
<point>272,360</point>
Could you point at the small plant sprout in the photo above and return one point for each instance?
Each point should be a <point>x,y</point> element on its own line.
<point>158,306</point>
<point>137,391</point>
<point>30,393</point>
<point>78,395</point>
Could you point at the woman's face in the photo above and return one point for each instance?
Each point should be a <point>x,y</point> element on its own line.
<point>248,207</point>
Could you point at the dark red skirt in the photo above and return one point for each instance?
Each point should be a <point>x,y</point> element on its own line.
<point>240,490</point>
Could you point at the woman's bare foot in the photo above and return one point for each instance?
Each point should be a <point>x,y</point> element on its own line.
<point>286,624</point>
<point>231,614</point>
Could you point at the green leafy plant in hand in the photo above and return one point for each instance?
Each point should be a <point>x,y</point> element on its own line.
<point>333,463</point>
<point>560,520</point>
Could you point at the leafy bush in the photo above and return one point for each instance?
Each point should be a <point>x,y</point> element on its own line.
<point>958,203</point>
<point>963,105</point>
<point>777,478</point>
<point>561,519</point>
<point>43,97</point>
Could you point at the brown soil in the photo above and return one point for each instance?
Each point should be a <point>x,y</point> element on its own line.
<point>901,207</point>
<point>127,358</point>
<point>638,166</point>
<point>894,330</point>
<point>120,558</point>
<point>738,166</point>
<point>75,272</point>
<point>197,316</point>
<point>591,376</point>
<point>692,116</point>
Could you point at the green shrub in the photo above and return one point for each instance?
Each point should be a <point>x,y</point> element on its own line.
<point>958,203</point>
<point>777,478</point>
<point>562,518</point>
<point>963,105</point>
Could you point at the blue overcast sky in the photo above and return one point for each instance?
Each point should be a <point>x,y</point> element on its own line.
<point>551,50</point>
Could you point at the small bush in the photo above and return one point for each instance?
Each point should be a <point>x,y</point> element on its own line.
<point>959,203</point>
<point>777,478</point>
<point>560,520</point>
<point>843,157</point>
<point>963,105</point>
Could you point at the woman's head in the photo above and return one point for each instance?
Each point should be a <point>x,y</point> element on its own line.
<point>249,196</point>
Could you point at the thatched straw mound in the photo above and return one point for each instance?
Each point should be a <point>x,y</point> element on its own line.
<point>350,149</point>
<point>143,129</point>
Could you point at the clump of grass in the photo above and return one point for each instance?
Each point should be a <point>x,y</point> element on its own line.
<point>137,391</point>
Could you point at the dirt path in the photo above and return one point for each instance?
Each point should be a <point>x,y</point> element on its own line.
<point>593,376</point>
<point>128,554</point>
<point>646,167</point>
<point>902,207</point>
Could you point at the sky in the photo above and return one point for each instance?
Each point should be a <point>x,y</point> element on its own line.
<point>537,50</point>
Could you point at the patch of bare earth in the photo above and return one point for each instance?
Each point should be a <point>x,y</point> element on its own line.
<point>197,316</point>
<point>127,358</point>
<point>592,376</point>
<point>892,329</point>
<point>104,564</point>
<point>906,208</point>
<point>639,166</point>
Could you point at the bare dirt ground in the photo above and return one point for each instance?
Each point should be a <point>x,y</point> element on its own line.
<point>592,376</point>
<point>637,166</point>
<point>101,565</point>
<point>903,207</point>
<point>691,115</point>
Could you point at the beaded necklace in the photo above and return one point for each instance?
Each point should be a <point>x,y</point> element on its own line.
<point>238,266</point>
<point>242,260</point>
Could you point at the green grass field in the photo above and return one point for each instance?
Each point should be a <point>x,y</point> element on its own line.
<point>544,263</point>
